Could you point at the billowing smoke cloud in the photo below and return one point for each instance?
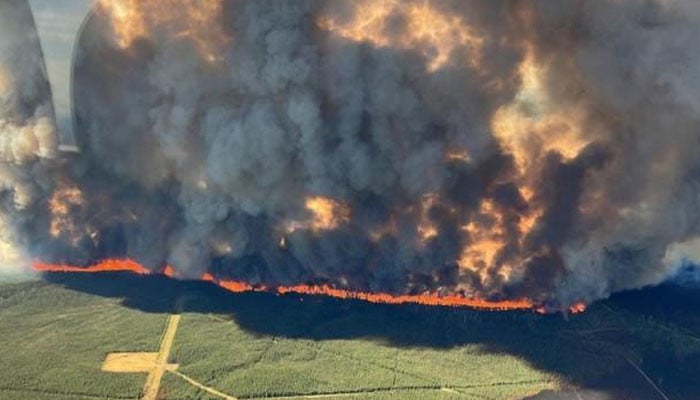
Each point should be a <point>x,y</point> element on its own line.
<point>27,132</point>
<point>497,149</point>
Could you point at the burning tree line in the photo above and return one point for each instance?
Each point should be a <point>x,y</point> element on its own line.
<point>496,154</point>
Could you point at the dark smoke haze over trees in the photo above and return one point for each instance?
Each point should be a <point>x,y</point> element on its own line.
<point>502,149</point>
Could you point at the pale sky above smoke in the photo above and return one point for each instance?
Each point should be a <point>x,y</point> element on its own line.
<point>58,22</point>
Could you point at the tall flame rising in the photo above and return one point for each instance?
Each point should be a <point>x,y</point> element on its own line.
<point>531,124</point>
<point>487,239</point>
<point>61,205</point>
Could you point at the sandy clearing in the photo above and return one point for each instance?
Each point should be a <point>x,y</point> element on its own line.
<point>129,362</point>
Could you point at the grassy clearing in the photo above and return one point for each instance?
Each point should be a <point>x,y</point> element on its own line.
<point>53,342</point>
<point>20,394</point>
<point>288,346</point>
<point>256,366</point>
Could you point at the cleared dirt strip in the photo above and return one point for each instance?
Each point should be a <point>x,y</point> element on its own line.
<point>150,390</point>
<point>207,389</point>
<point>648,379</point>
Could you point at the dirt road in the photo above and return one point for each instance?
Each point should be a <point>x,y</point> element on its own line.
<point>150,390</point>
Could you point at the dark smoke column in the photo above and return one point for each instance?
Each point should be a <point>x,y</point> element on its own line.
<point>486,148</point>
<point>27,130</point>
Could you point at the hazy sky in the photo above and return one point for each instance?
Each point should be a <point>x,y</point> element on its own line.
<point>58,22</point>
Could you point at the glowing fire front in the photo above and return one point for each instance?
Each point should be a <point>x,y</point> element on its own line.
<point>479,238</point>
<point>529,127</point>
<point>428,299</point>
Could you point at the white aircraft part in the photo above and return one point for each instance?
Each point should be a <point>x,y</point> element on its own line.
<point>58,23</point>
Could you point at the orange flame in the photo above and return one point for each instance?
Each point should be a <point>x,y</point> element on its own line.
<point>533,123</point>
<point>426,228</point>
<point>578,308</point>
<point>61,205</point>
<point>428,30</point>
<point>192,19</point>
<point>458,155</point>
<point>487,239</point>
<point>428,299</point>
<point>125,265</point>
<point>327,215</point>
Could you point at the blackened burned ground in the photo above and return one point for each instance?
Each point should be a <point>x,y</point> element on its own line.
<point>402,352</point>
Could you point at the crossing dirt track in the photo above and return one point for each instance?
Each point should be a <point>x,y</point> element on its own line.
<point>118,337</point>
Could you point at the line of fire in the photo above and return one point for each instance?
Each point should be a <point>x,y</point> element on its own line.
<point>449,153</point>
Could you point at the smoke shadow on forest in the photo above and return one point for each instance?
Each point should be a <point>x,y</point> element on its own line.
<point>592,349</point>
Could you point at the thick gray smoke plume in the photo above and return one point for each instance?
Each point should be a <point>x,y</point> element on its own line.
<point>27,132</point>
<point>499,149</point>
